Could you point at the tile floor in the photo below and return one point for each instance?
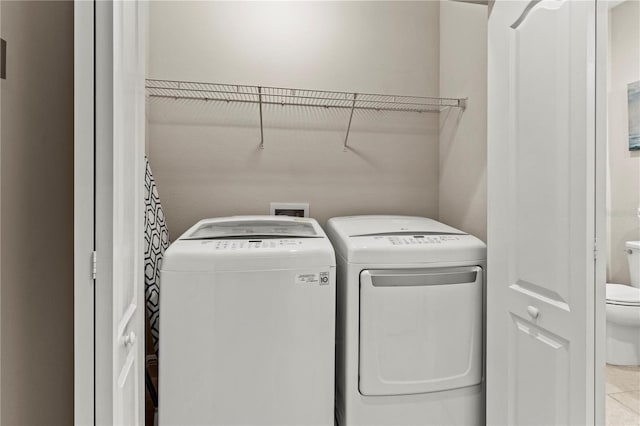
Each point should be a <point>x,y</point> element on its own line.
<point>623,396</point>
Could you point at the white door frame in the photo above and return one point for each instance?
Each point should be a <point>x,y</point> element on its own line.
<point>104,368</point>
<point>0,233</point>
<point>599,297</point>
<point>84,208</point>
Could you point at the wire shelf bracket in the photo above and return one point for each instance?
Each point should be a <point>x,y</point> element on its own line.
<point>264,95</point>
<point>261,125</point>
<point>346,137</point>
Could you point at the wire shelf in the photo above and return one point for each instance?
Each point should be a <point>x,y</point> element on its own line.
<point>264,95</point>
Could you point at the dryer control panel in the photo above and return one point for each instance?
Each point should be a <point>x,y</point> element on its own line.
<point>403,240</point>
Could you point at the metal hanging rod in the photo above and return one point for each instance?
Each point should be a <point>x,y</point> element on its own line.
<point>263,95</point>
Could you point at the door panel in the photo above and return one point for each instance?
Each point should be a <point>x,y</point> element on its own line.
<point>128,179</point>
<point>119,353</point>
<point>541,212</point>
<point>420,330</point>
<point>539,396</point>
<point>128,388</point>
<point>540,72</point>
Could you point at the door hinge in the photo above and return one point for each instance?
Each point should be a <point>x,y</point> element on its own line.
<point>595,249</point>
<point>94,265</point>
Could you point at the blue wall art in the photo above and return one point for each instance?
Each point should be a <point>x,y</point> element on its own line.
<point>633,90</point>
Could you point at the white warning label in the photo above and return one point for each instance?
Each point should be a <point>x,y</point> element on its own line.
<point>310,278</point>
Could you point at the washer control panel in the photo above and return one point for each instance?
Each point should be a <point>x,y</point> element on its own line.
<point>254,244</point>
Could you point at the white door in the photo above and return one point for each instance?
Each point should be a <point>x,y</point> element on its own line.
<point>120,55</point>
<point>541,230</point>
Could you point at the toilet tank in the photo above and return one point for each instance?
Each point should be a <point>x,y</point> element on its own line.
<point>633,254</point>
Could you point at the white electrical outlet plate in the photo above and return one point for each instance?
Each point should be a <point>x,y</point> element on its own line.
<point>289,209</point>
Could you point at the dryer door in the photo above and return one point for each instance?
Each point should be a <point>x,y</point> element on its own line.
<point>420,330</point>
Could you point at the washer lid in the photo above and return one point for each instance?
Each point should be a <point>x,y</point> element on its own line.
<point>623,294</point>
<point>252,227</point>
<point>251,243</point>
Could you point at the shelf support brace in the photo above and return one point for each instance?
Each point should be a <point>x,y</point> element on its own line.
<point>346,137</point>
<point>261,126</point>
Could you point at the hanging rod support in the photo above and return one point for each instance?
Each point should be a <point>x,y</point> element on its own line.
<point>353,106</point>
<point>261,126</point>
<point>462,103</point>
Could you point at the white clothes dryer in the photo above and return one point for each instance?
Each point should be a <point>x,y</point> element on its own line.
<point>410,322</point>
<point>248,324</point>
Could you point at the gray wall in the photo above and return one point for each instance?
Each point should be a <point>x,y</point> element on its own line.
<point>37,214</point>
<point>206,158</point>
<point>462,183</point>
<point>624,165</point>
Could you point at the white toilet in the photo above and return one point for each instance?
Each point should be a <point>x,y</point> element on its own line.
<point>623,314</point>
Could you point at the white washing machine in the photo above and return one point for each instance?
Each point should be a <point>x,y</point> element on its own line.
<point>248,324</point>
<point>410,322</point>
